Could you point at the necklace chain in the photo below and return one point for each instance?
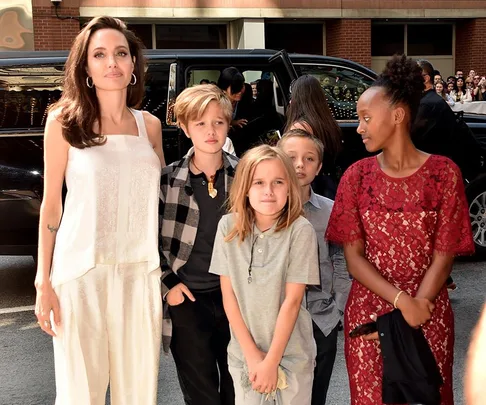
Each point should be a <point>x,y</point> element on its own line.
<point>211,190</point>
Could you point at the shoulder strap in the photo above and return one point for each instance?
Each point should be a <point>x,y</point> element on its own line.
<point>142,129</point>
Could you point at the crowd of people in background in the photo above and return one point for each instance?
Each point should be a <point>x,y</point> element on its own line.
<point>460,89</point>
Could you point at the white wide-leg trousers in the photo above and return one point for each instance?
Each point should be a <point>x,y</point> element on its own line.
<point>110,333</point>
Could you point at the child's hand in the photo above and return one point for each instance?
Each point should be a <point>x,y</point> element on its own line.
<point>266,375</point>
<point>177,294</point>
<point>416,311</point>
<point>253,361</point>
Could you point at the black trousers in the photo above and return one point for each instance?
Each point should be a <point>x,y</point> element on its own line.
<point>200,337</point>
<point>326,354</point>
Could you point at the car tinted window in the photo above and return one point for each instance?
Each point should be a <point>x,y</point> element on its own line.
<point>342,86</point>
<point>26,93</point>
<point>156,86</point>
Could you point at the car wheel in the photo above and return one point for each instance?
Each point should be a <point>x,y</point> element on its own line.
<point>476,196</point>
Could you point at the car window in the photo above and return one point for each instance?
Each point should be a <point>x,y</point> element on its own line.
<point>156,86</point>
<point>195,75</point>
<point>343,87</point>
<point>26,93</point>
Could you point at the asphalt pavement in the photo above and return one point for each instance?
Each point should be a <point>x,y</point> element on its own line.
<point>26,360</point>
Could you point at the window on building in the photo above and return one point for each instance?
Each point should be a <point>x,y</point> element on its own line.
<point>430,39</point>
<point>387,39</point>
<point>144,32</point>
<point>300,38</point>
<point>191,36</point>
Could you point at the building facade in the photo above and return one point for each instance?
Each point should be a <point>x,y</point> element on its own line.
<point>448,33</point>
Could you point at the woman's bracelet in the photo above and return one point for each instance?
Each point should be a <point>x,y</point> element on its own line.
<point>396,299</point>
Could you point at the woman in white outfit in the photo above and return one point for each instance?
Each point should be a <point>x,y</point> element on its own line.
<point>98,277</point>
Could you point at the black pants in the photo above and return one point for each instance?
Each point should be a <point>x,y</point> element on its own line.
<point>200,337</point>
<point>326,354</point>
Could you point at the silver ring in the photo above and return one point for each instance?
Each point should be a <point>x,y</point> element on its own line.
<point>47,324</point>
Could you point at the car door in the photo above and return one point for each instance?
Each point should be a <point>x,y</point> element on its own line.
<point>285,73</point>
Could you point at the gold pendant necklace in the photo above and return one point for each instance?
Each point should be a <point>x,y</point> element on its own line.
<point>211,190</point>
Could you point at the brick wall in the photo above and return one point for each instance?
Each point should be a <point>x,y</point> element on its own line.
<point>349,39</point>
<point>470,37</point>
<point>50,32</point>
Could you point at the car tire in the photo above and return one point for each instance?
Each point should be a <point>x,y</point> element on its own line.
<point>476,198</point>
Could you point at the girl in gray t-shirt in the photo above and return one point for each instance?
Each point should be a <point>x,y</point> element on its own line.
<point>266,254</point>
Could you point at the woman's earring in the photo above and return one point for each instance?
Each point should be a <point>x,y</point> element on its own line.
<point>87,82</point>
<point>134,80</point>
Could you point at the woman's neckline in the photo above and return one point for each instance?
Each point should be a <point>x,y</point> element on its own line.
<point>422,166</point>
<point>132,136</point>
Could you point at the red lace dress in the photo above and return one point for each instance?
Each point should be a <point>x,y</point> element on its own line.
<point>402,221</point>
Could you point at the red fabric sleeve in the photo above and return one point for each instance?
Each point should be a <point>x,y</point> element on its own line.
<point>345,222</point>
<point>453,233</point>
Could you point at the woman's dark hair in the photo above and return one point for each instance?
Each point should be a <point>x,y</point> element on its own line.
<point>245,105</point>
<point>309,105</point>
<point>402,82</point>
<point>264,99</point>
<point>247,96</point>
<point>78,107</point>
<point>454,84</point>
<point>463,83</point>
<point>231,77</point>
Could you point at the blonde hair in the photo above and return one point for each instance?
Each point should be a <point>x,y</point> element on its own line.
<point>193,101</point>
<point>239,204</point>
<point>300,133</point>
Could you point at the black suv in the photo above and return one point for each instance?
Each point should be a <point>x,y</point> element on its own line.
<point>31,82</point>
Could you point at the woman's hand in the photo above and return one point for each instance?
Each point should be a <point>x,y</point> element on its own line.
<point>416,311</point>
<point>265,377</point>
<point>176,295</point>
<point>45,302</point>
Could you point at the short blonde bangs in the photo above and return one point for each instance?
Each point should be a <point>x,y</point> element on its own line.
<point>300,133</point>
<point>191,104</point>
<point>239,203</point>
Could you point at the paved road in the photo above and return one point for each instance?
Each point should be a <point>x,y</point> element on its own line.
<point>26,365</point>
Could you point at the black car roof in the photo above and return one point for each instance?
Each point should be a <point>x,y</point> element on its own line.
<point>59,57</point>
<point>330,60</point>
<point>41,57</point>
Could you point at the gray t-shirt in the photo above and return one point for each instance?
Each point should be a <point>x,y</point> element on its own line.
<point>288,256</point>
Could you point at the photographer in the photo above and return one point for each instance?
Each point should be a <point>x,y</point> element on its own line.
<point>480,90</point>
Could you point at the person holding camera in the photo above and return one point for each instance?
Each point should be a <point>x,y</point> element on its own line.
<point>480,90</point>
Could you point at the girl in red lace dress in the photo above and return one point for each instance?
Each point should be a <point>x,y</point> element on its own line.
<point>402,217</point>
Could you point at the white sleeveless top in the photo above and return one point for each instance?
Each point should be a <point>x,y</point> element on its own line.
<point>111,208</point>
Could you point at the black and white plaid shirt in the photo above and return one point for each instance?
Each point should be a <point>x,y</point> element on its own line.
<point>178,222</point>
